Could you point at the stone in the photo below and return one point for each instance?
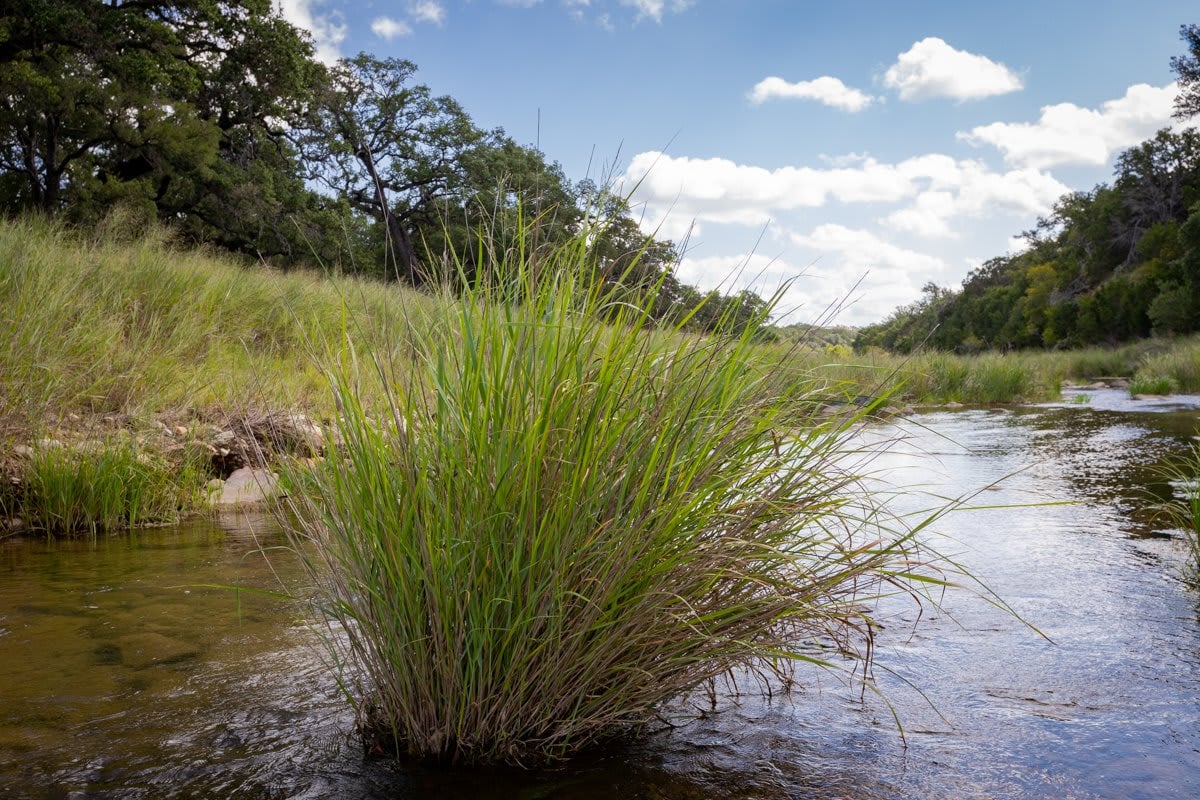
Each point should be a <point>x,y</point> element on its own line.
<point>180,430</point>
<point>23,450</point>
<point>247,486</point>
<point>141,650</point>
<point>953,404</point>
<point>223,439</point>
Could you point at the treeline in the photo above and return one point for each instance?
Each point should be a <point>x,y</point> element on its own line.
<point>1119,263</point>
<point>215,117</point>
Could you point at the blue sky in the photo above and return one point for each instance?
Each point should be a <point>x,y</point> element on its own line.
<point>858,150</point>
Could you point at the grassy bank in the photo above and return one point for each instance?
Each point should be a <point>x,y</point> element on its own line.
<point>119,334</point>
<point>140,328</point>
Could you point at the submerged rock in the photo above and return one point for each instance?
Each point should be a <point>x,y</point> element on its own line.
<point>141,650</point>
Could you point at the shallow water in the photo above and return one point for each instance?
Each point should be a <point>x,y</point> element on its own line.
<point>133,666</point>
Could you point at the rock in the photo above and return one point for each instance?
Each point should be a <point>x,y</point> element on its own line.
<point>1099,385</point>
<point>141,650</point>
<point>23,450</point>
<point>180,430</point>
<point>248,486</point>
<point>49,444</point>
<point>223,439</point>
<point>953,404</point>
<point>13,525</point>
<point>1120,383</point>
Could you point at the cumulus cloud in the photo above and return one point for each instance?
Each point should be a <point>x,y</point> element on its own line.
<point>851,265</point>
<point>932,68</point>
<point>827,90</point>
<point>654,9</point>
<point>388,28</point>
<point>428,11</point>
<point>936,188</point>
<point>1069,134</point>
<point>859,250</point>
<point>327,30</point>
<point>721,190</point>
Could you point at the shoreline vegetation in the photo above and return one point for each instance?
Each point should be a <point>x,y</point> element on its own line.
<point>157,366</point>
<point>531,512</point>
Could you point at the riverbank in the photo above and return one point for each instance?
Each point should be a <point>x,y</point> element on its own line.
<point>161,370</point>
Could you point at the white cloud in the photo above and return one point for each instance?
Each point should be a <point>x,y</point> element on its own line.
<point>827,90</point>
<point>938,188</point>
<point>721,190</point>
<point>1069,134</point>
<point>327,30</point>
<point>932,68</point>
<point>654,9</point>
<point>852,265</point>
<point>858,250</point>
<point>389,28</point>
<point>428,11</point>
<point>970,189</point>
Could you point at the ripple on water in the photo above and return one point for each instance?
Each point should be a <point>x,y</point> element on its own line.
<point>1108,708</point>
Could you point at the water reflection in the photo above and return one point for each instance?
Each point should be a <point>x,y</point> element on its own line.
<point>126,672</point>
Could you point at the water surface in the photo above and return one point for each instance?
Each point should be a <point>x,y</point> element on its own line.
<point>133,666</point>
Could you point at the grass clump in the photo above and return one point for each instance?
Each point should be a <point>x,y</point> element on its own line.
<point>102,485</point>
<point>1144,383</point>
<point>1184,511</point>
<point>560,519</point>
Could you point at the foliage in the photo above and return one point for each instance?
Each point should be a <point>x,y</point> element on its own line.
<point>103,484</point>
<point>1187,68</point>
<point>558,518</point>
<point>177,109</point>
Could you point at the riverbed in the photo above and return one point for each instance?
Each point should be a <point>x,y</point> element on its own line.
<point>160,663</point>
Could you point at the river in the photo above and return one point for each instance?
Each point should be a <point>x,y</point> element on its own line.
<point>148,664</point>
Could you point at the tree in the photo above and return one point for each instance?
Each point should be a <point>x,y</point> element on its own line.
<point>390,148</point>
<point>1157,181</point>
<point>177,108</point>
<point>1187,68</point>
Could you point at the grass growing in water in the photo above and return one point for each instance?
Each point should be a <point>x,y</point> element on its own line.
<point>1152,384</point>
<point>561,519</point>
<point>101,485</point>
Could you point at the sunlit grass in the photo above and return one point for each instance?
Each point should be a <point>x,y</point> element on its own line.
<point>558,518</point>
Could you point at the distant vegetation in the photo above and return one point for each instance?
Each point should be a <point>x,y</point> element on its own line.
<point>1116,264</point>
<point>216,119</point>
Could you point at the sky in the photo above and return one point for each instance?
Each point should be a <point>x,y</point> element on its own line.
<point>846,153</point>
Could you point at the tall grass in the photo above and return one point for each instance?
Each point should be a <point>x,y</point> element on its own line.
<point>558,519</point>
<point>1184,509</point>
<point>142,327</point>
<point>104,485</point>
<point>1178,367</point>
